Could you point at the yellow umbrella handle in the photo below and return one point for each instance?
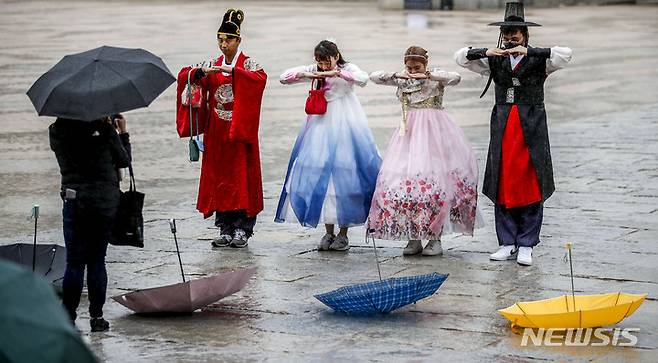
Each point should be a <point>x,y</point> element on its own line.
<point>573,293</point>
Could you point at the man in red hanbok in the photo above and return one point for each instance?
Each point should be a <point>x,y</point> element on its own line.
<point>227,94</point>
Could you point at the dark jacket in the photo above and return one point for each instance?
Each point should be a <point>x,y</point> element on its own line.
<point>89,155</point>
<point>527,92</point>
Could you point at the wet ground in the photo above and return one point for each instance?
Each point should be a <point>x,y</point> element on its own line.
<point>604,136</point>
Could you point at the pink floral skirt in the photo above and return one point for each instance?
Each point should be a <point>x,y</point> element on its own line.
<point>427,184</point>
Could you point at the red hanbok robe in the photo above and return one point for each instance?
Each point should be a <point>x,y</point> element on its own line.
<point>517,184</point>
<point>229,116</point>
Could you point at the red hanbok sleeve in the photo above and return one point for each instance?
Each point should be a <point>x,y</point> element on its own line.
<point>183,112</point>
<point>248,87</point>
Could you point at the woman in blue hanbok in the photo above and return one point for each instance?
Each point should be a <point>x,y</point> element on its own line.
<point>334,163</point>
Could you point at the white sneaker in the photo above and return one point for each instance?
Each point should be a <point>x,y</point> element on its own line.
<point>525,256</point>
<point>504,253</point>
<point>433,248</point>
<point>414,247</point>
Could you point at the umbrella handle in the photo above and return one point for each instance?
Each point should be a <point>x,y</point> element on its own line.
<point>172,225</point>
<point>573,293</point>
<point>374,246</point>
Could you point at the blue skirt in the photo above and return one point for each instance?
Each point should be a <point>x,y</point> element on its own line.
<point>333,168</point>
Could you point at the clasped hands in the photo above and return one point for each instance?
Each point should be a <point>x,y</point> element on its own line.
<point>319,74</point>
<point>407,75</point>
<point>497,52</point>
<point>214,70</point>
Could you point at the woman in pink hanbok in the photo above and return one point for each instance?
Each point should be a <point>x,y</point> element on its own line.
<point>427,185</point>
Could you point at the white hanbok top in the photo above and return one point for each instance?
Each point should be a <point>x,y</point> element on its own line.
<point>338,86</point>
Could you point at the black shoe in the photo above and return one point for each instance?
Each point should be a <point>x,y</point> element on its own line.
<point>99,324</point>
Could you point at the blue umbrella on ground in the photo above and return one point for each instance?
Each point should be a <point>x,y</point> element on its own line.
<point>382,296</point>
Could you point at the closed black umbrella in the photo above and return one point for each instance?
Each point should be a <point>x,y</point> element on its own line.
<point>100,82</point>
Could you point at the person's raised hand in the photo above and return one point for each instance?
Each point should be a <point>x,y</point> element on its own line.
<point>401,75</point>
<point>328,74</point>
<point>519,49</point>
<point>305,75</point>
<point>120,123</point>
<point>418,75</point>
<point>496,52</point>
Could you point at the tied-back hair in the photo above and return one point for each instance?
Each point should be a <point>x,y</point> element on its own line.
<point>416,53</point>
<point>327,49</point>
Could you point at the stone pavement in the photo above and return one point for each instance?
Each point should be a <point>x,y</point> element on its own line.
<point>604,137</point>
<point>606,203</point>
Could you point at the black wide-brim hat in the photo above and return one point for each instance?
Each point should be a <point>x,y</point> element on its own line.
<point>514,16</point>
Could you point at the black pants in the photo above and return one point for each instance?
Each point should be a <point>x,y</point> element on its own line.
<point>86,234</point>
<point>519,226</point>
<point>229,221</point>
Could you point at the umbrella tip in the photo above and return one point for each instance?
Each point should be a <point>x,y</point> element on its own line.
<point>569,245</point>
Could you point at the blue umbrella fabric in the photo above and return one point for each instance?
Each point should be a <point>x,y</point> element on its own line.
<point>382,296</point>
<point>100,82</point>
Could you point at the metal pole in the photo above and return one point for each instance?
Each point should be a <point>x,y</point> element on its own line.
<point>573,294</point>
<point>379,271</point>
<point>172,225</point>
<point>35,213</point>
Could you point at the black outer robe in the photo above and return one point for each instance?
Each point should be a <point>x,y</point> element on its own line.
<point>529,98</point>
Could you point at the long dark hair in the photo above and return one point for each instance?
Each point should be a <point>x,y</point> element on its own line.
<point>327,49</point>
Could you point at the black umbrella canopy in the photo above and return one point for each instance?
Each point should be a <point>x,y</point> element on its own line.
<point>50,259</point>
<point>100,82</point>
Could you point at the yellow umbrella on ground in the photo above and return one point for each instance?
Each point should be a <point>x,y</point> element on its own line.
<point>585,311</point>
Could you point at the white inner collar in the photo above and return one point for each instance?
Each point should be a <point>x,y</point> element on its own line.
<point>514,61</point>
<point>233,62</point>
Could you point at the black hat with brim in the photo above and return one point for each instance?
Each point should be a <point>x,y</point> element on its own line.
<point>514,23</point>
<point>514,16</point>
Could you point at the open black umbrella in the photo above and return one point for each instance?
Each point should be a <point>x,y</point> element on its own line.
<point>47,260</point>
<point>50,259</point>
<point>100,82</point>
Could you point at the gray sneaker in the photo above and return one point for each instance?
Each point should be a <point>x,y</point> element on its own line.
<point>326,241</point>
<point>414,247</point>
<point>239,239</point>
<point>340,243</point>
<point>224,240</point>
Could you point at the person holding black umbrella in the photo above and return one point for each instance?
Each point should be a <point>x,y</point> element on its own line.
<point>89,155</point>
<point>81,90</point>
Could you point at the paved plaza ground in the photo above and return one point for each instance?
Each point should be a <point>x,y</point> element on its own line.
<point>603,121</point>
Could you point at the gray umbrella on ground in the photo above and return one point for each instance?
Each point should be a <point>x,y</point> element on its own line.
<point>100,82</point>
